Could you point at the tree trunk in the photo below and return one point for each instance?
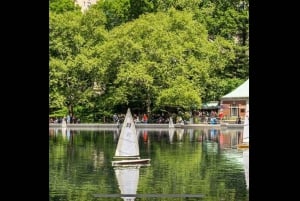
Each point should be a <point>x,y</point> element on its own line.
<point>148,103</point>
<point>71,111</point>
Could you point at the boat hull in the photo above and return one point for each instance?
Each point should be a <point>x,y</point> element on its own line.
<point>243,146</point>
<point>131,162</point>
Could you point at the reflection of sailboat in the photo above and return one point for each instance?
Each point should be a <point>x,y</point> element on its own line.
<point>116,134</point>
<point>128,179</point>
<point>245,143</point>
<point>213,134</point>
<point>171,124</point>
<point>64,132</point>
<point>171,134</point>
<point>68,133</point>
<point>179,133</point>
<point>191,134</point>
<point>246,165</point>
<point>128,148</point>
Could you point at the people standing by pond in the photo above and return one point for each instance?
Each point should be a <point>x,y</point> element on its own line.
<point>145,118</point>
<point>221,115</point>
<point>115,118</point>
<point>136,118</point>
<point>238,120</point>
<point>68,119</point>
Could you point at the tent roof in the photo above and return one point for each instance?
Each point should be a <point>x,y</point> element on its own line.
<point>210,105</point>
<point>241,92</point>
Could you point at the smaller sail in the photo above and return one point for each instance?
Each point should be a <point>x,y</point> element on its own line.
<point>246,126</point>
<point>171,124</point>
<point>245,143</point>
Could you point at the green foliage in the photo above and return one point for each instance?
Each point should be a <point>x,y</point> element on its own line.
<point>139,7</point>
<point>59,113</point>
<point>164,5</point>
<point>140,57</point>
<point>117,12</point>
<point>64,34</point>
<point>60,6</point>
<point>133,51</point>
<point>93,26</point>
<point>182,94</point>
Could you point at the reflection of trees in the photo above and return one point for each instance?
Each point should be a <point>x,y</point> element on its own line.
<point>215,167</point>
<point>67,172</point>
<point>202,161</point>
<point>81,167</point>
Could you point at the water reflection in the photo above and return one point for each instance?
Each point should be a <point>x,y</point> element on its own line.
<point>171,134</point>
<point>179,133</point>
<point>184,162</point>
<point>128,179</point>
<point>246,165</point>
<point>145,136</point>
<point>64,131</point>
<point>116,135</point>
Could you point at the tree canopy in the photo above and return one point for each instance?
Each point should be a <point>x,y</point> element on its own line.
<point>149,55</point>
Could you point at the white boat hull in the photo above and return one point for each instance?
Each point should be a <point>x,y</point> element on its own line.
<point>131,162</point>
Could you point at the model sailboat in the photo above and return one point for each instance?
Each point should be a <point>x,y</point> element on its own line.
<point>245,143</point>
<point>171,124</point>
<point>127,151</point>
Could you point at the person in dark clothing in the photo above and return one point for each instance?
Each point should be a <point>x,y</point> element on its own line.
<point>115,118</point>
<point>239,121</point>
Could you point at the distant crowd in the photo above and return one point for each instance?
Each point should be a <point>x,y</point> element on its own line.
<point>68,119</point>
<point>211,117</point>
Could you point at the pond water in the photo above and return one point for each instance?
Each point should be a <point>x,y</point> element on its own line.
<point>186,164</point>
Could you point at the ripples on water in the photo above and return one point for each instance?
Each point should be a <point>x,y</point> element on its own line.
<point>192,164</point>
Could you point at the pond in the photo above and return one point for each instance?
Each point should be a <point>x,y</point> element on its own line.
<point>186,164</point>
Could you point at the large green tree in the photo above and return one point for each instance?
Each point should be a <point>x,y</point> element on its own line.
<point>142,54</point>
<point>64,44</point>
<point>74,65</point>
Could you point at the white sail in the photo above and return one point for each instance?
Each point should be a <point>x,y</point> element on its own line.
<point>171,124</point>
<point>128,179</point>
<point>128,145</point>
<point>246,126</point>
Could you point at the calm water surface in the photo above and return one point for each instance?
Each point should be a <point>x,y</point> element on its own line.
<point>186,164</point>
